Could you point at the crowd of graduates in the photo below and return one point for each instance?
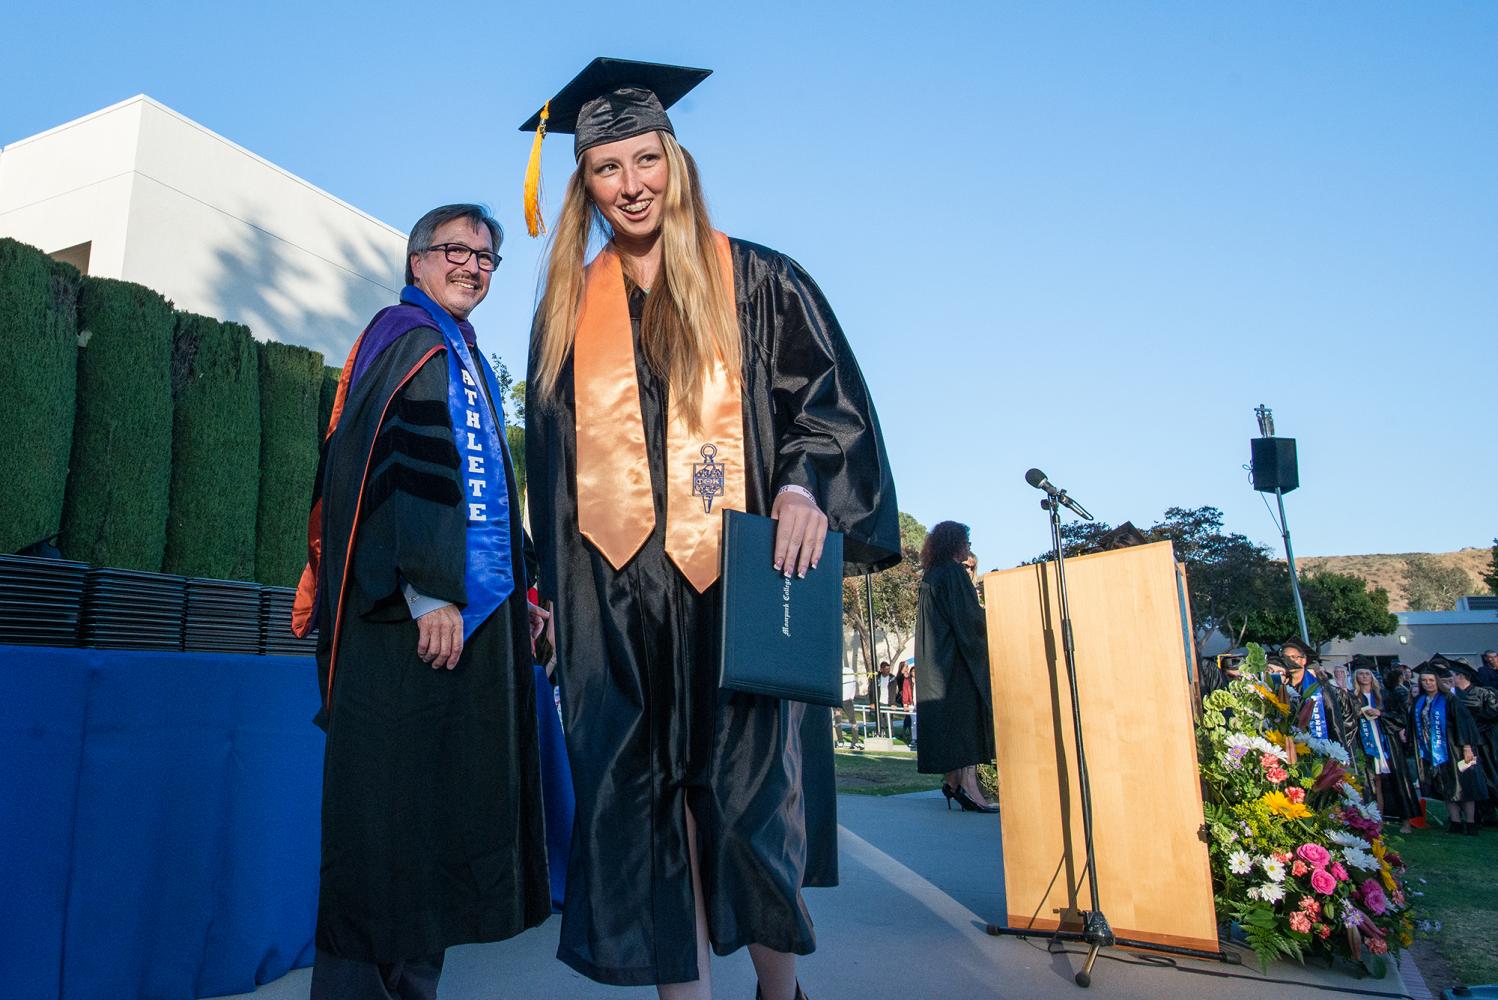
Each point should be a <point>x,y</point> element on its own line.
<point>1430,732</point>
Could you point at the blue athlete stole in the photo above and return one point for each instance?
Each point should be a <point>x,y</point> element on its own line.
<point>478,431</point>
<point>1311,688</point>
<point>1430,728</point>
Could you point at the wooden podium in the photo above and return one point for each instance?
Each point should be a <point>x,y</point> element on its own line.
<point>1132,632</point>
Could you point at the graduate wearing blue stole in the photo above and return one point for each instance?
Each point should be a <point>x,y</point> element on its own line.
<point>1445,738</point>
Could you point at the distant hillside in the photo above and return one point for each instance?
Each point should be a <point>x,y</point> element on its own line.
<point>1387,571</point>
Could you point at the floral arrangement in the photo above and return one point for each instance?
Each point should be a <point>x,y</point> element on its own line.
<point>1298,857</point>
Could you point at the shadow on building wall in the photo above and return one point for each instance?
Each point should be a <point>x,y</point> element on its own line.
<point>286,292</point>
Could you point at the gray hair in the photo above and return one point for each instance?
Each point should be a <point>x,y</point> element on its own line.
<point>426,227</point>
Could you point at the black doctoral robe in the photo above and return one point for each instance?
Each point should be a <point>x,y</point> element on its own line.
<point>649,732</point>
<point>955,707</point>
<point>432,828</point>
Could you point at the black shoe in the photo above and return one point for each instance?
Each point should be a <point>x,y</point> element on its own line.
<point>946,790</point>
<point>1455,827</point>
<point>968,805</point>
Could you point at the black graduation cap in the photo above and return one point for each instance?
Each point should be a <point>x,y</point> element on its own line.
<point>1310,654</point>
<point>610,100</point>
<point>1432,666</point>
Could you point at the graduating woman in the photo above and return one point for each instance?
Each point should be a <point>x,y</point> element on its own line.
<point>678,373</point>
<point>951,646</point>
<point>1445,737</point>
<point>1381,736</point>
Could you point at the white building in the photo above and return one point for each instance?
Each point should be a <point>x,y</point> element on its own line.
<point>138,192</point>
<point>1422,634</point>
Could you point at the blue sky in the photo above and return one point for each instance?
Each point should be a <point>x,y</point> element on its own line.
<point>1084,236</point>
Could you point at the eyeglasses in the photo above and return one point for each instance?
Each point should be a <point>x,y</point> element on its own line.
<point>458,253</point>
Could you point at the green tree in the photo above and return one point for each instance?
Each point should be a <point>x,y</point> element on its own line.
<point>512,401</point>
<point>897,594</point>
<point>1430,585</point>
<point>1490,576</point>
<point>1078,538</point>
<point>1229,576</point>
<point>1337,605</point>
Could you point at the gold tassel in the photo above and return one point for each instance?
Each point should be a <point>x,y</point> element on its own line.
<point>534,224</point>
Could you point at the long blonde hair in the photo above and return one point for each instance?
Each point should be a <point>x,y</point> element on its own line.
<point>690,317</point>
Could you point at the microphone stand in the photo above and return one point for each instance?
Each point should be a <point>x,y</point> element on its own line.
<point>1096,932</point>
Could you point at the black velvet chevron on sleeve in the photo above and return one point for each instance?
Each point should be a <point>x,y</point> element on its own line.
<point>412,526</point>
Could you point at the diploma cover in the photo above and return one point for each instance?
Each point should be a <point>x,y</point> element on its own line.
<point>782,636</point>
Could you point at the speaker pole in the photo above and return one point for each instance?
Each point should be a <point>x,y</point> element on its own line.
<point>1300,608</point>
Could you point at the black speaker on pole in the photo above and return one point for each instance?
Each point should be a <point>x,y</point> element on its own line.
<point>1274,465</point>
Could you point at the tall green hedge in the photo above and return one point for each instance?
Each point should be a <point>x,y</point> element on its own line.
<point>114,512</point>
<point>215,489</point>
<point>330,376</point>
<point>291,380</point>
<point>38,372</point>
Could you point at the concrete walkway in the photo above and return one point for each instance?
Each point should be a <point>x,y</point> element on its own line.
<point>918,885</point>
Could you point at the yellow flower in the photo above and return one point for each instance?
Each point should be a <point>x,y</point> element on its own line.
<point>1379,850</point>
<point>1272,698</point>
<point>1302,747</point>
<point>1280,804</point>
<point>1387,878</point>
<point>1276,737</point>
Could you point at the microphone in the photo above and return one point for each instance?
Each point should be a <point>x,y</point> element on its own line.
<point>1037,479</point>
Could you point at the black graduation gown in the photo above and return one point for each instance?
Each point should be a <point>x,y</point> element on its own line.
<point>1400,800</point>
<point>648,730</point>
<point>1482,703</point>
<point>951,653</point>
<point>432,824</point>
<point>1446,781</point>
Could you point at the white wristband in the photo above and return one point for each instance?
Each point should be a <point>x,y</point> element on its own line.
<point>802,490</point>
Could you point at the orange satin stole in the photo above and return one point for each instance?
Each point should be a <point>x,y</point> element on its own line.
<point>704,472</point>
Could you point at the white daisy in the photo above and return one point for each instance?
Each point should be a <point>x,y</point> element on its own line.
<point>1240,863</point>
<point>1271,892</point>
<point>1360,859</point>
<point>1346,838</point>
<point>1274,869</point>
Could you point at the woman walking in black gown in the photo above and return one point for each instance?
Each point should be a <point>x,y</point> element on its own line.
<point>951,648</point>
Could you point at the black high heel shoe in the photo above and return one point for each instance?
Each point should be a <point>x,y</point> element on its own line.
<point>968,805</point>
<point>946,790</point>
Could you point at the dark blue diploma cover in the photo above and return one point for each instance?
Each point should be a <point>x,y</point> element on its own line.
<point>782,636</point>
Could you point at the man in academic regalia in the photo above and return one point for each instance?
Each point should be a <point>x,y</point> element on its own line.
<point>1326,711</point>
<point>432,818</point>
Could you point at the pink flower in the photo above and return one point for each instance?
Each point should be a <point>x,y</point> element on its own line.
<point>1323,931</point>
<point>1295,794</point>
<point>1314,855</point>
<point>1269,760</point>
<point>1371,895</point>
<point>1337,870</point>
<point>1300,923</point>
<point>1282,857</point>
<point>1377,945</point>
<point>1276,774</point>
<point>1323,882</point>
<point>1309,904</point>
<point>1298,869</point>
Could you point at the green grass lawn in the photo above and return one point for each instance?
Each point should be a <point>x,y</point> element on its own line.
<point>1460,886</point>
<point>870,773</point>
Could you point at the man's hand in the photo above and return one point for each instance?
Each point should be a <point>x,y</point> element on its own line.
<point>441,640</point>
<point>539,618</point>
<point>800,533</point>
